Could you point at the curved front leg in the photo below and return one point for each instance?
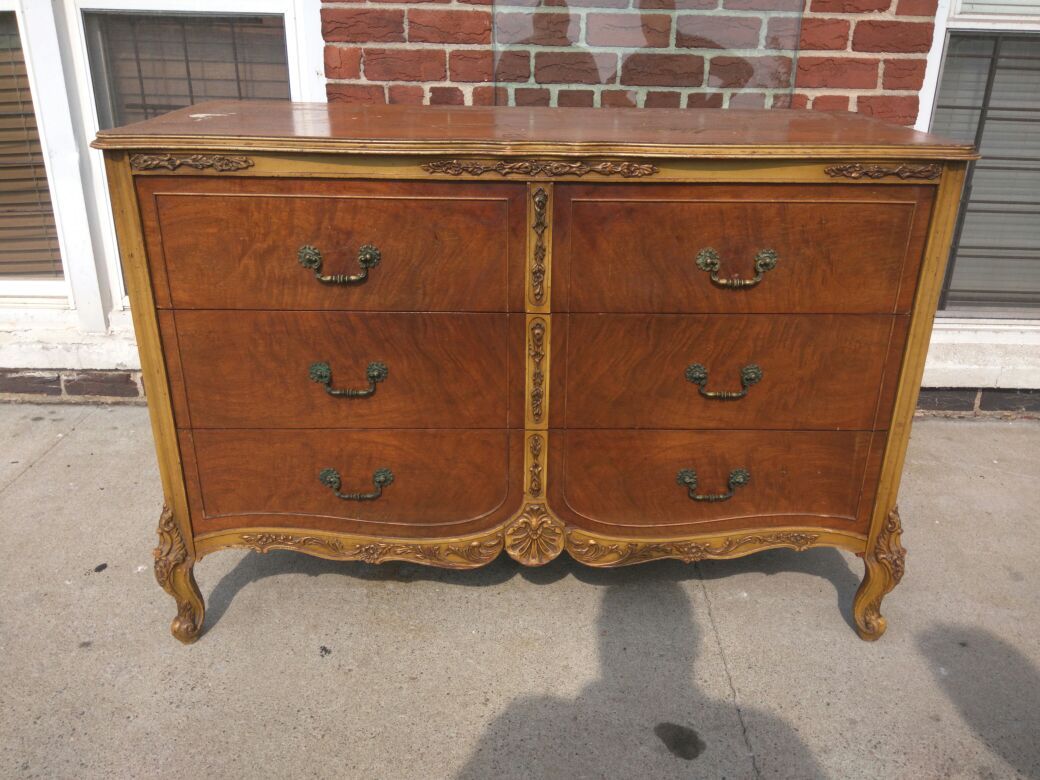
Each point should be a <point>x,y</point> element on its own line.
<point>173,571</point>
<point>884,564</point>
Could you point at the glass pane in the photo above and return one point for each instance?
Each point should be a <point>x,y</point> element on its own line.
<point>989,94</point>
<point>662,53</point>
<point>28,236</point>
<point>145,64</point>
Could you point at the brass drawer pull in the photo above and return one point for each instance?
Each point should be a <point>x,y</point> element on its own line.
<point>322,374</point>
<point>750,374</point>
<point>331,479</point>
<point>368,257</point>
<point>708,260</point>
<point>688,479</point>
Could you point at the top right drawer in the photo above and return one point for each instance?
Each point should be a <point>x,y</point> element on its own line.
<point>738,248</point>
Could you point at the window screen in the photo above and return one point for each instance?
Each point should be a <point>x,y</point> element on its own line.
<point>989,94</point>
<point>28,236</point>
<point>145,64</point>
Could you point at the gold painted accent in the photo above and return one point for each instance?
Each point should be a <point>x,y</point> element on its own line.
<point>596,550</point>
<point>625,169</point>
<point>218,162</point>
<point>538,330</point>
<point>534,483</point>
<point>460,553</point>
<point>538,269</point>
<point>861,171</point>
<point>885,565</point>
<point>535,537</point>
<point>173,571</point>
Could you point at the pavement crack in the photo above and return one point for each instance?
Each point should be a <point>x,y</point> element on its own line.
<point>729,677</point>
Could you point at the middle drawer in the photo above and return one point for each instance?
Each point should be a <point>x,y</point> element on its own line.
<point>275,369</point>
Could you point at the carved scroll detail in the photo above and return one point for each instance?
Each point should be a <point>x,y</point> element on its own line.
<point>885,566</point>
<point>609,552</point>
<point>536,351</point>
<point>535,537</point>
<point>624,169</point>
<point>173,571</point>
<point>534,481</point>
<point>904,171</point>
<point>458,554</point>
<point>171,550</point>
<point>218,162</point>
<point>538,268</point>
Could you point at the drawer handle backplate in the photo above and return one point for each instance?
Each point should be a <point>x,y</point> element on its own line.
<point>708,260</point>
<point>368,257</point>
<point>750,374</point>
<point>322,374</point>
<point>687,478</point>
<point>331,479</point>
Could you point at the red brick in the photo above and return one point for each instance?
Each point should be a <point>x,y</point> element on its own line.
<point>118,384</point>
<point>355,93</point>
<point>799,100</point>
<point>356,25</point>
<point>405,93</point>
<point>704,100</point>
<point>528,96</point>
<point>404,65</point>
<point>848,72</point>
<point>490,96</point>
<point>446,96</point>
<point>471,65</point>
<point>831,103</point>
<point>783,100</point>
<point>513,66</point>
<point>824,34</point>
<point>551,67</point>
<point>436,26</point>
<point>575,98</point>
<point>13,380</point>
<point>584,3</point>
<point>917,8</point>
<point>617,98</point>
<point>678,5</point>
<point>663,70</point>
<point>762,5</point>
<point>891,108</point>
<point>662,100</point>
<point>485,2</point>
<point>342,62</point>
<point>747,100</point>
<point>903,74</point>
<point>537,29</point>
<point>782,33</point>
<point>849,6</point>
<point>628,29</point>
<point>717,32</point>
<point>878,35</point>
<point>737,72</point>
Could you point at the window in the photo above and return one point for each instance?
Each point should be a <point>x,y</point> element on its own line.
<point>988,94</point>
<point>28,235</point>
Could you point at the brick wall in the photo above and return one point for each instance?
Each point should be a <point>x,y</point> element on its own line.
<point>863,55</point>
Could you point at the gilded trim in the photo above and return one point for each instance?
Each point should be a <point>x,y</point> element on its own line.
<point>535,537</point>
<point>885,565</point>
<point>926,171</point>
<point>538,267</point>
<point>537,465</point>
<point>173,571</point>
<point>537,353</point>
<point>218,162</point>
<point>624,169</point>
<point>595,550</point>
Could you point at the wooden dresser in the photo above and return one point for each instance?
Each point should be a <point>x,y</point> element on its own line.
<point>434,334</point>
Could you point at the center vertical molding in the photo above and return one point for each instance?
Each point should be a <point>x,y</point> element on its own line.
<point>535,536</point>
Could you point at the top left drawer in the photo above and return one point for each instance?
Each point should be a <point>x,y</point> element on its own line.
<point>377,246</point>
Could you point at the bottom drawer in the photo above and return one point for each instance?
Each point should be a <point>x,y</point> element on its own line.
<point>440,482</point>
<point>628,482</point>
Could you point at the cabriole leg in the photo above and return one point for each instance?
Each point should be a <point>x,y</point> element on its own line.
<point>173,570</point>
<point>884,564</point>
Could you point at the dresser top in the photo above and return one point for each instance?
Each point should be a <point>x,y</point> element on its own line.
<point>231,125</point>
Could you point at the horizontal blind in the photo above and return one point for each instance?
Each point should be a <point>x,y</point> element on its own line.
<point>145,64</point>
<point>28,235</point>
<point>990,94</point>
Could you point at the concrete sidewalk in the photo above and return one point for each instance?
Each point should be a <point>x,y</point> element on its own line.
<point>307,668</point>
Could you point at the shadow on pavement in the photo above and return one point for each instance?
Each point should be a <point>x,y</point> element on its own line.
<point>995,688</point>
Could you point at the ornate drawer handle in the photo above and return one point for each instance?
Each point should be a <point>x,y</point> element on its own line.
<point>368,257</point>
<point>688,479</point>
<point>750,374</point>
<point>322,374</point>
<point>708,260</point>
<point>331,479</point>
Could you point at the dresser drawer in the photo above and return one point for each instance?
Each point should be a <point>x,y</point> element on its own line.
<point>443,482</point>
<point>619,481</point>
<point>814,371</point>
<point>261,244</point>
<point>656,248</point>
<point>250,369</point>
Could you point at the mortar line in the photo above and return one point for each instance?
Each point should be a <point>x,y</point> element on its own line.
<point>46,452</point>
<point>729,677</point>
